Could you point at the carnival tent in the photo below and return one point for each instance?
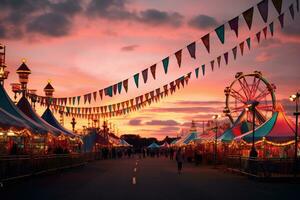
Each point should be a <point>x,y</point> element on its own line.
<point>277,129</point>
<point>7,105</point>
<point>191,137</point>
<point>26,108</point>
<point>165,145</point>
<point>153,146</point>
<point>50,119</point>
<point>235,131</point>
<point>9,122</point>
<point>123,143</point>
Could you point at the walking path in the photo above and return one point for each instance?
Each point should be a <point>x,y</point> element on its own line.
<point>150,178</point>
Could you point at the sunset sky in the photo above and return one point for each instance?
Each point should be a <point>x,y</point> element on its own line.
<point>84,46</point>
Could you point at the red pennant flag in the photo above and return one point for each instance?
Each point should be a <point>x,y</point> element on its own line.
<point>157,91</point>
<point>145,75</point>
<point>248,16</point>
<point>234,51</point>
<point>137,100</point>
<point>281,20</point>
<point>265,31</point>
<point>291,8</point>
<point>152,94</point>
<point>242,48</point>
<point>153,70</point>
<point>101,94</point>
<point>141,98</point>
<point>219,61</point>
<point>234,25</point>
<point>115,88</point>
<point>192,49</point>
<point>178,55</point>
<point>95,95</point>
<point>212,65</point>
<point>125,84</point>
<point>85,98</point>
<point>258,36</point>
<point>263,9</point>
<point>277,4</point>
<point>206,42</point>
<point>147,96</point>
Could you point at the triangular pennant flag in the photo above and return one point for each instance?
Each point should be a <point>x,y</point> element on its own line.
<point>73,100</point>
<point>101,94</point>
<point>205,40</point>
<point>291,8</point>
<point>203,69</point>
<point>277,4</point>
<point>125,85</point>
<point>219,61</point>
<point>95,95</point>
<point>119,87</point>
<point>258,36</point>
<point>197,72</point>
<point>153,70</point>
<point>108,91</point>
<point>115,89</point>
<point>234,52</point>
<point>78,100</point>
<point>281,20</point>
<point>248,16</point>
<point>263,9</point>
<point>178,57</point>
<point>242,48</point>
<point>234,25</point>
<point>166,64</point>
<point>271,25</point>
<point>145,75</point>
<point>220,31</point>
<point>192,49</point>
<point>265,30</point>
<point>226,57</point>
<point>248,40</point>
<point>212,65</point>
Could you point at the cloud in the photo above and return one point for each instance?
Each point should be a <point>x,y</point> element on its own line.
<point>67,7</point>
<point>185,109</point>
<point>292,30</point>
<point>202,22</point>
<point>263,57</point>
<point>162,123</point>
<point>51,24</point>
<point>129,48</point>
<point>156,17</point>
<point>199,103</point>
<point>135,122</point>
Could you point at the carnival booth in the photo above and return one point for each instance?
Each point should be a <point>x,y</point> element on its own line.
<point>274,138</point>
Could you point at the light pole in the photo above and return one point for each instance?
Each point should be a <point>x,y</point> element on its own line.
<point>295,98</point>
<point>252,106</point>
<point>216,117</point>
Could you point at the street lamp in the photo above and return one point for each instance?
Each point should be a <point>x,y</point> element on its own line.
<point>23,71</point>
<point>295,98</point>
<point>73,123</point>
<point>216,117</point>
<point>252,106</point>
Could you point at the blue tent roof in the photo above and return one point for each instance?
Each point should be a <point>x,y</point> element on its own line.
<point>192,136</point>
<point>8,121</point>
<point>124,143</point>
<point>228,135</point>
<point>49,117</point>
<point>153,145</point>
<point>26,108</point>
<point>7,105</point>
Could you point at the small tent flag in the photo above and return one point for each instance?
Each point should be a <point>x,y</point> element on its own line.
<point>234,25</point>
<point>78,100</point>
<point>153,70</point>
<point>220,31</point>
<point>226,57</point>
<point>263,9</point>
<point>136,79</point>
<point>277,4</point>
<point>197,72</point>
<point>95,95</point>
<point>101,94</point>
<point>205,40</point>
<point>166,64</point>
<point>212,65</point>
<point>219,61</point>
<point>248,40</point>
<point>178,57</point>
<point>192,49</point>
<point>281,20</point>
<point>203,70</point>
<point>145,75</point>
<point>248,16</point>
<point>125,85</point>
<point>234,51</point>
<point>265,31</point>
<point>291,8</point>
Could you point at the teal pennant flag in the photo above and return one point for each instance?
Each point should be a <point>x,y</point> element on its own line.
<point>197,72</point>
<point>220,31</point>
<point>119,87</point>
<point>203,70</point>
<point>166,64</point>
<point>136,79</point>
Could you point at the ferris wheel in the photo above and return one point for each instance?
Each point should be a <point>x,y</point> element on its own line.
<point>247,90</point>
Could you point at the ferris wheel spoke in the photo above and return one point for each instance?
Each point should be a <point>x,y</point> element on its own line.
<point>262,94</point>
<point>265,107</point>
<point>245,87</point>
<point>254,87</point>
<point>259,116</point>
<point>237,96</point>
